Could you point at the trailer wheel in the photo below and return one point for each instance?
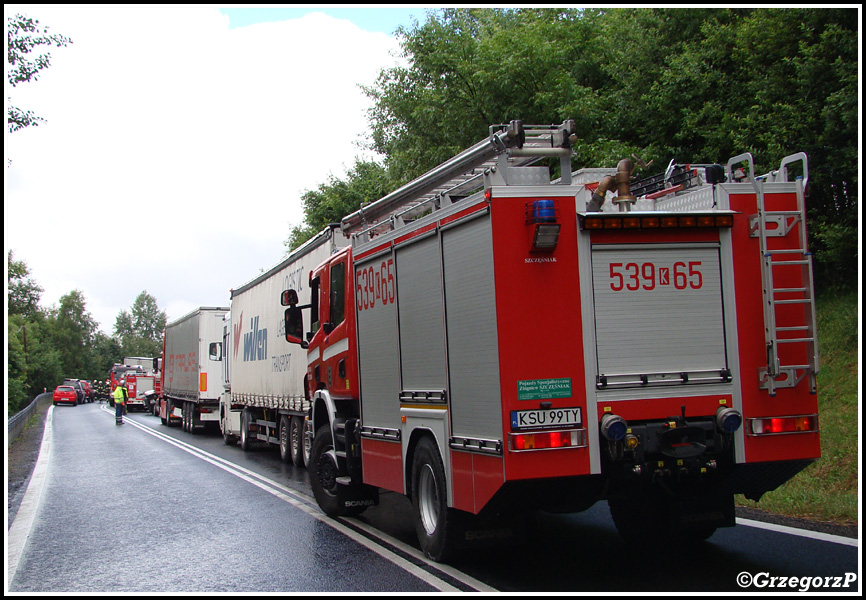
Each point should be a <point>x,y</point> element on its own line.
<point>246,442</point>
<point>306,441</point>
<point>437,526</point>
<point>284,434</point>
<point>296,442</point>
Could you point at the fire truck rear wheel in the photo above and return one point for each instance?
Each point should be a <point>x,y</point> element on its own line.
<point>647,518</point>
<point>324,471</point>
<point>437,526</point>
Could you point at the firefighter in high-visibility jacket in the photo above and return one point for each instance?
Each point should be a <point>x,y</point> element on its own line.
<point>120,397</point>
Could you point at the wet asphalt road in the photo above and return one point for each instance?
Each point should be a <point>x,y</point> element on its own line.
<point>128,511</point>
<point>123,511</point>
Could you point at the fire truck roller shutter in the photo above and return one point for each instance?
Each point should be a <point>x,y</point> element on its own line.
<point>422,326</point>
<point>470,308</point>
<point>377,355</point>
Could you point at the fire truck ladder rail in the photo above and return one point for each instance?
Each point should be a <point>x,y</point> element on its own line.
<point>512,145</point>
<point>775,374</point>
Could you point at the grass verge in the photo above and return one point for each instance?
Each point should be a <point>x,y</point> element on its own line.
<point>828,489</point>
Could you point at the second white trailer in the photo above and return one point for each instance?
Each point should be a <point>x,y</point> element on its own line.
<point>192,383</point>
<point>265,399</point>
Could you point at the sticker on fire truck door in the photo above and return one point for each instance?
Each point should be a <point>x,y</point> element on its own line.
<point>544,389</point>
<point>545,418</point>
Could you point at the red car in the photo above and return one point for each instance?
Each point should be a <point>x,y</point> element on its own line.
<point>65,393</point>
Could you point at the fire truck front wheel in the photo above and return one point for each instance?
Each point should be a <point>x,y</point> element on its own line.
<point>324,471</point>
<point>437,526</point>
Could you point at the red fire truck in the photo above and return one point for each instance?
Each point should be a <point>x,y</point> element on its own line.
<point>493,341</point>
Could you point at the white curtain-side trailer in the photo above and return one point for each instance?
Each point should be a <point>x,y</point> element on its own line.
<point>192,383</point>
<point>265,398</point>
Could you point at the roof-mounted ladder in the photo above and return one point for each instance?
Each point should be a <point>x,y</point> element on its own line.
<point>507,146</point>
<point>776,263</point>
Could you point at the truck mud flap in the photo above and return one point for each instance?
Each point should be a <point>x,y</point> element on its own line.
<point>356,496</point>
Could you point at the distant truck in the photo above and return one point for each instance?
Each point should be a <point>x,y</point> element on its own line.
<point>191,384</point>
<point>136,380</point>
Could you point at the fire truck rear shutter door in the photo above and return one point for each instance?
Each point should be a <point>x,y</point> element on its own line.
<point>658,309</point>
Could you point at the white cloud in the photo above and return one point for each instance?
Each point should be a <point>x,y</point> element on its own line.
<point>175,150</point>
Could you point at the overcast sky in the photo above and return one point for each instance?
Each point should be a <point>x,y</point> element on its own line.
<point>178,141</point>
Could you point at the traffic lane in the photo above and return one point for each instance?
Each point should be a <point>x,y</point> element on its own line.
<point>584,552</point>
<point>123,511</point>
<point>392,517</point>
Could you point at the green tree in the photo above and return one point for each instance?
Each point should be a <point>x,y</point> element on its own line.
<point>23,36</point>
<point>24,293</point>
<point>33,364</point>
<point>365,182</point>
<point>73,330</point>
<point>139,330</point>
<point>692,85</point>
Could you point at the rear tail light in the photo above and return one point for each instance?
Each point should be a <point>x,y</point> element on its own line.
<point>547,440</point>
<point>782,425</point>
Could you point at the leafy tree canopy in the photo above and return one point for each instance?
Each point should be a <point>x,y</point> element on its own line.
<point>139,330</point>
<point>693,85</point>
<point>23,36</point>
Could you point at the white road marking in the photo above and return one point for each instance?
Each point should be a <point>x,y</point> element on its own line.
<point>19,533</point>
<point>815,535</point>
<point>308,505</point>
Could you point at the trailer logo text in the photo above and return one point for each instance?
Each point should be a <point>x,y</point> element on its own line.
<point>255,342</point>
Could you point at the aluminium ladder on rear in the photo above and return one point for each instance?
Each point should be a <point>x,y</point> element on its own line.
<point>780,223</point>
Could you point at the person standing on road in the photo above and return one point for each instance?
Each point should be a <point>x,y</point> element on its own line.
<point>120,397</point>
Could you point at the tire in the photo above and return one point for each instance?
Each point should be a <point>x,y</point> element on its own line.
<point>284,432</point>
<point>306,442</point>
<point>324,471</point>
<point>246,442</point>
<point>190,423</point>
<point>438,527</point>
<point>296,442</point>
<point>649,519</point>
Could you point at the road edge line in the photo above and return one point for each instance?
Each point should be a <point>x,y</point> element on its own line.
<point>22,525</point>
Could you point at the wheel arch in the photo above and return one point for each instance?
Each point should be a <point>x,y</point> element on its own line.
<point>415,438</point>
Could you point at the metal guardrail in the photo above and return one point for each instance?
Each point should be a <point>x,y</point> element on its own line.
<point>18,421</point>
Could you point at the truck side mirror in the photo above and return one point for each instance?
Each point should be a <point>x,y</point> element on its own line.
<point>289,298</point>
<point>215,351</point>
<point>295,326</point>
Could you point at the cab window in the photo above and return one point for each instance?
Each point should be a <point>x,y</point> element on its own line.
<point>337,296</point>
